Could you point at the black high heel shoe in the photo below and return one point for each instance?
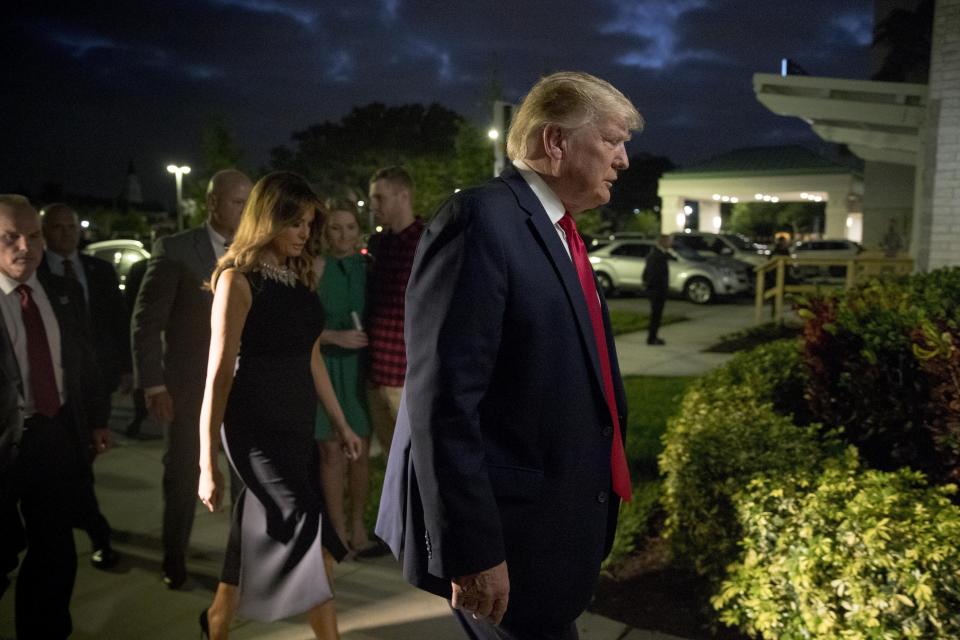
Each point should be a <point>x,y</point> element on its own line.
<point>204,625</point>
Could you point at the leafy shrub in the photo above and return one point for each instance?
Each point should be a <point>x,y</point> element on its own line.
<point>723,437</point>
<point>845,554</point>
<point>936,348</point>
<point>863,376</point>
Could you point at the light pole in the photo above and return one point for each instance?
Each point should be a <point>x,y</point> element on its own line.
<point>178,173</point>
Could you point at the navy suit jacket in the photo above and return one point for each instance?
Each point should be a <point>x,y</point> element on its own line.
<point>502,445</point>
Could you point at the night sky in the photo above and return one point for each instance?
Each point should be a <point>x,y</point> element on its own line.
<point>87,88</point>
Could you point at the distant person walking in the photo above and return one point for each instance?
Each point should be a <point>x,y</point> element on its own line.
<point>656,277</point>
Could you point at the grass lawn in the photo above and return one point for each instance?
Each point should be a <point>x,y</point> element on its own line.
<point>651,401</point>
<point>630,322</point>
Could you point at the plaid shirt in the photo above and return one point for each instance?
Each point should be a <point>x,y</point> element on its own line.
<point>393,259</point>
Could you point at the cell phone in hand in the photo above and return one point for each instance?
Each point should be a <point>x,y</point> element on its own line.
<point>355,317</point>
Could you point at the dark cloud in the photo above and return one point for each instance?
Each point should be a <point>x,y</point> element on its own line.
<point>95,84</point>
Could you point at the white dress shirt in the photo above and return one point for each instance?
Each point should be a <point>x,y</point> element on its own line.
<point>13,319</point>
<point>218,241</point>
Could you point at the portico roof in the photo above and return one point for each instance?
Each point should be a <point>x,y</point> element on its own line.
<point>876,120</point>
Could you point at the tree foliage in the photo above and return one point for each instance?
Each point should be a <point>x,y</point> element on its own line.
<point>440,149</point>
<point>764,219</point>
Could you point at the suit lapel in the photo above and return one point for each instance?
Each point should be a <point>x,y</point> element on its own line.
<point>549,239</point>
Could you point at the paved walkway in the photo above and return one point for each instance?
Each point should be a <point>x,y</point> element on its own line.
<point>685,341</point>
<point>372,599</point>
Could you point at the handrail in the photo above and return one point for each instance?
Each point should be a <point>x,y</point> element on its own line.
<point>856,269</point>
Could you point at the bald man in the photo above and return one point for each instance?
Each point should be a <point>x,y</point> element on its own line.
<point>170,335</point>
<point>52,407</point>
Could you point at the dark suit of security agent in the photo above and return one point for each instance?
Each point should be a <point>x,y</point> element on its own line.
<point>498,490</point>
<point>52,406</point>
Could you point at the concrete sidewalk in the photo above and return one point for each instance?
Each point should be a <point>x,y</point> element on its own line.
<point>682,355</point>
<point>373,600</point>
<point>131,602</point>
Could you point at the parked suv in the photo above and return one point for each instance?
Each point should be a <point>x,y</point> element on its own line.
<point>732,245</point>
<point>839,249</point>
<point>620,264</point>
<point>120,253</point>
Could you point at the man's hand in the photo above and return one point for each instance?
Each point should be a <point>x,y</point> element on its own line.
<point>101,440</point>
<point>160,406</point>
<point>485,594</point>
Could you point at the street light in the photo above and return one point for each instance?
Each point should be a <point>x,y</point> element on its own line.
<point>178,173</point>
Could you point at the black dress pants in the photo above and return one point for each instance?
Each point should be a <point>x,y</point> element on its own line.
<point>657,301</point>
<point>47,481</point>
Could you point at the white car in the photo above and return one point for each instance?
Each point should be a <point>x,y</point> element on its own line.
<point>122,254</point>
<point>839,250</point>
<point>619,266</point>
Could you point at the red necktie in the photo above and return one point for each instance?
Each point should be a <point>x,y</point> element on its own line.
<point>43,382</point>
<point>578,252</point>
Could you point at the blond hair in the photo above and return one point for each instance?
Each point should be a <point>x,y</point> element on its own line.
<point>276,201</point>
<point>570,99</point>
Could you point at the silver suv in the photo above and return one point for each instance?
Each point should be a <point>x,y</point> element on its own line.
<point>121,253</point>
<point>619,266</point>
<point>732,245</point>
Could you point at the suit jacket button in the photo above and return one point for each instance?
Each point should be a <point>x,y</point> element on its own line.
<point>602,497</point>
<point>607,431</point>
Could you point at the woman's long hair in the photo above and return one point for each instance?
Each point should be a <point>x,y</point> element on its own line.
<point>276,201</point>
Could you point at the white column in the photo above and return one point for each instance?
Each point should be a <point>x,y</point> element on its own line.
<point>709,209</point>
<point>836,216</point>
<point>670,212</point>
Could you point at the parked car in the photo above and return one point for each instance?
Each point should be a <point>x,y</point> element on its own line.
<point>619,267</point>
<point>121,253</point>
<point>837,249</point>
<point>733,245</point>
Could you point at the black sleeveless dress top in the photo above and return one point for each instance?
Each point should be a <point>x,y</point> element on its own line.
<point>273,387</point>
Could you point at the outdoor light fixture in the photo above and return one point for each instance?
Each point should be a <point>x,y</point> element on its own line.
<point>687,209</point>
<point>717,222</point>
<point>716,196</point>
<point>493,134</point>
<point>178,173</point>
<point>85,223</point>
<point>360,203</point>
<point>681,220</point>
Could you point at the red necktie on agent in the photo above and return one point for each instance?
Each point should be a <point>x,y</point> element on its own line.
<point>43,382</point>
<point>578,253</point>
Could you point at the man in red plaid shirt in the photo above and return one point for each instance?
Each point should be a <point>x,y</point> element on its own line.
<point>391,200</point>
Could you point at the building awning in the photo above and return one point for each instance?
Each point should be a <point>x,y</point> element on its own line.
<point>878,121</point>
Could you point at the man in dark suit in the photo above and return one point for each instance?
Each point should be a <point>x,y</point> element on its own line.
<point>53,406</point>
<point>656,278</point>
<point>507,465</point>
<point>170,332</point>
<point>109,332</point>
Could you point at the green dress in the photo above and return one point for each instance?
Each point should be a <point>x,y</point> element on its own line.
<point>343,289</point>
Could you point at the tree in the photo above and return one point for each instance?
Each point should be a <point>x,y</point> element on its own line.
<point>907,37</point>
<point>764,219</point>
<point>440,149</point>
<point>220,151</point>
<point>636,188</point>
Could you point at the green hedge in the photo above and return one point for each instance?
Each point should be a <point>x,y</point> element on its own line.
<point>729,431</point>
<point>846,554</point>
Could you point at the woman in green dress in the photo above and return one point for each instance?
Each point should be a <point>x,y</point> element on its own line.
<point>342,291</point>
